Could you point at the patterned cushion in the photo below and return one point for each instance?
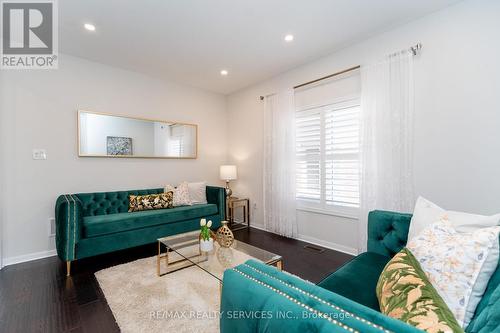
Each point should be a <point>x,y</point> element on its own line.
<point>150,201</point>
<point>181,194</point>
<point>405,293</point>
<point>459,265</point>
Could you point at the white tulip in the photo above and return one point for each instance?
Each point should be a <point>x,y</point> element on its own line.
<point>209,223</point>
<point>203,222</point>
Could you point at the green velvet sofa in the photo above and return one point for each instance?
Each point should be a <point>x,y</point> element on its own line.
<point>88,224</point>
<point>259,298</point>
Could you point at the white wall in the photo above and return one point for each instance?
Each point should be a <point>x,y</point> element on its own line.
<point>457,140</point>
<point>3,154</point>
<point>39,110</point>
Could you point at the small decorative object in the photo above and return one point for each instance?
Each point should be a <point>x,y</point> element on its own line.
<point>118,145</point>
<point>228,173</point>
<point>224,235</point>
<point>225,256</point>
<point>206,240</point>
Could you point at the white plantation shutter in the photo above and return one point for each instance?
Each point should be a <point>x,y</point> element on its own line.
<point>342,155</point>
<point>176,142</point>
<point>308,149</point>
<point>327,145</point>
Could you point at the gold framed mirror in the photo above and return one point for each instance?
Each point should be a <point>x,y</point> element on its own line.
<point>110,135</point>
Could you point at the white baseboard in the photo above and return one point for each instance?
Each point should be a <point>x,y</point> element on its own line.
<point>329,245</point>
<point>308,239</point>
<point>258,226</point>
<point>28,257</point>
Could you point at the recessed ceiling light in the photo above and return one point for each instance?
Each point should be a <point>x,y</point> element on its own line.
<point>89,27</point>
<point>288,38</point>
<point>224,72</point>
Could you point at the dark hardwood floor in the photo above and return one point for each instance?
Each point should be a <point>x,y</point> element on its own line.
<point>37,297</point>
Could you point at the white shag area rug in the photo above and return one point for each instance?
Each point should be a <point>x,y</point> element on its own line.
<point>187,300</point>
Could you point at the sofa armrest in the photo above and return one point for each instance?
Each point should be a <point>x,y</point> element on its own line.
<point>387,232</point>
<point>69,217</point>
<point>259,298</point>
<point>217,195</point>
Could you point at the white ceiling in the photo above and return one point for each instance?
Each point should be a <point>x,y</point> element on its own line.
<point>190,41</point>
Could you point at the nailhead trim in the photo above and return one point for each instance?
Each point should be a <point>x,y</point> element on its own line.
<point>71,257</point>
<point>307,307</point>
<point>336,307</point>
<point>74,226</point>
<point>67,224</point>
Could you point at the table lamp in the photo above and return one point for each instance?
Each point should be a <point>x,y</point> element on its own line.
<point>228,173</point>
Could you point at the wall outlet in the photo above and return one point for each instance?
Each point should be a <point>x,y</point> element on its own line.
<point>39,154</point>
<point>52,227</point>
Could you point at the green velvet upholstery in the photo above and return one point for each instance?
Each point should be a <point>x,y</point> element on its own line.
<point>351,287</point>
<point>88,224</point>
<point>387,232</point>
<point>89,247</point>
<point>359,274</point>
<point>259,298</point>
<point>98,225</point>
<point>103,203</point>
<point>69,213</point>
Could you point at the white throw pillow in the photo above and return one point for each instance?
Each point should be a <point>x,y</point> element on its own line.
<point>426,213</point>
<point>181,194</point>
<point>198,193</point>
<point>459,265</point>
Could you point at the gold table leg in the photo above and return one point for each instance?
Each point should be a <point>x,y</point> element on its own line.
<point>158,257</point>
<point>173,265</point>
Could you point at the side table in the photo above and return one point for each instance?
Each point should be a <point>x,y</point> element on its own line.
<point>232,204</point>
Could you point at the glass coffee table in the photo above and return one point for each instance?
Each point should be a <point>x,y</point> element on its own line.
<point>182,251</point>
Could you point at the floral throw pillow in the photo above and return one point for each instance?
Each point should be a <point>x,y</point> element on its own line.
<point>405,293</point>
<point>459,265</point>
<point>150,201</point>
<point>181,194</point>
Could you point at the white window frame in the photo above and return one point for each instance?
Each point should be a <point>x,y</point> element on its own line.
<point>321,207</point>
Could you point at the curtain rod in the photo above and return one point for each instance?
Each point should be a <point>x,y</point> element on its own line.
<point>323,78</point>
<point>328,76</point>
<point>414,49</point>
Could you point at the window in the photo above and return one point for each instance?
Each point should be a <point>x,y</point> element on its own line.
<point>327,148</point>
<point>176,144</point>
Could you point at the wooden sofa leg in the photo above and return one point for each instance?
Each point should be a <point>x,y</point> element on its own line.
<point>68,268</point>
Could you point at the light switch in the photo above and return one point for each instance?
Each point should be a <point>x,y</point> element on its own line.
<point>39,154</point>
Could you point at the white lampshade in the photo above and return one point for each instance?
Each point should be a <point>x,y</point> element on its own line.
<point>228,172</point>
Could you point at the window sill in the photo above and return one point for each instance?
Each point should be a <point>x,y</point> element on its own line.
<point>331,212</point>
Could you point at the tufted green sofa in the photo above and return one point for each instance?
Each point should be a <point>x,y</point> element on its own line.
<point>88,224</point>
<point>259,298</point>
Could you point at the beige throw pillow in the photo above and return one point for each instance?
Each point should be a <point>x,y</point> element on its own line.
<point>181,194</point>
<point>198,193</point>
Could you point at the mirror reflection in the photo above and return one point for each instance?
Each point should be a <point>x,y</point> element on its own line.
<point>119,136</point>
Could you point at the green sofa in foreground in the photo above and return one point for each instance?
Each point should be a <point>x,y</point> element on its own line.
<point>88,224</point>
<point>259,298</point>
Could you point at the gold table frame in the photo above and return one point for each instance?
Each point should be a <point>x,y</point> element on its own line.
<point>232,204</point>
<point>186,262</point>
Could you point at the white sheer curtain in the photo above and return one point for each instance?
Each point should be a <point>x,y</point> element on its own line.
<point>279,164</point>
<point>387,103</point>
